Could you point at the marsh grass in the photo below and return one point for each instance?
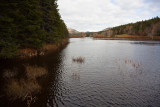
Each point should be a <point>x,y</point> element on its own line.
<point>18,89</point>
<point>100,36</point>
<point>47,48</point>
<point>134,64</point>
<point>78,59</point>
<point>33,72</point>
<point>126,37</point>
<point>76,36</point>
<point>24,88</point>
<point>53,47</point>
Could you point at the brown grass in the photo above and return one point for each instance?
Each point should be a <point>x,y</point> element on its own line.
<point>134,64</point>
<point>134,37</point>
<point>33,72</point>
<point>50,47</point>
<point>78,59</point>
<point>18,89</point>
<point>55,46</point>
<point>64,42</point>
<point>23,89</point>
<point>156,37</point>
<point>100,36</point>
<point>127,37</point>
<point>76,36</point>
<point>28,52</point>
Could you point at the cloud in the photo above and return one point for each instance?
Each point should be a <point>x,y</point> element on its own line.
<point>95,15</point>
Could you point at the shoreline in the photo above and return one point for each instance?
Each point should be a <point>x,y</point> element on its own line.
<point>129,37</point>
<point>126,39</point>
<point>30,52</point>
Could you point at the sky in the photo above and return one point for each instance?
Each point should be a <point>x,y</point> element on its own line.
<point>96,15</point>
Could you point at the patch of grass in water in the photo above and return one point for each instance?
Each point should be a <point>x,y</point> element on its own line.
<point>18,89</point>
<point>78,59</point>
<point>24,88</point>
<point>33,72</point>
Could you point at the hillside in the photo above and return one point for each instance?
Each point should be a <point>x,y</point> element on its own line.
<point>75,34</point>
<point>72,31</point>
<point>149,27</point>
<point>29,24</point>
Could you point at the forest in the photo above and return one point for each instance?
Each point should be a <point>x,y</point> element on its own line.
<point>140,28</point>
<point>149,27</point>
<point>29,24</point>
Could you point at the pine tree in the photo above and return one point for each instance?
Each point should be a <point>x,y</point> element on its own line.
<point>29,24</point>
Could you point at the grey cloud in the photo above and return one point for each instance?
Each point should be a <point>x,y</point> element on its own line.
<point>95,15</point>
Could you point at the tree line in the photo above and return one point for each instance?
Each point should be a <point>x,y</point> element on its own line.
<point>29,24</point>
<point>149,27</point>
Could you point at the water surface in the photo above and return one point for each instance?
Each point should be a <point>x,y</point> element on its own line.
<point>114,73</point>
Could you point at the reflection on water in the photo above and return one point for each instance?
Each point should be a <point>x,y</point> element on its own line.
<point>115,73</point>
<point>23,80</point>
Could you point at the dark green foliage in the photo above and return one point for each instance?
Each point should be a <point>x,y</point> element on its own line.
<point>29,24</point>
<point>50,17</point>
<point>8,50</point>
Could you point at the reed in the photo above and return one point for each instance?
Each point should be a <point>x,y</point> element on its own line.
<point>100,36</point>
<point>24,88</point>
<point>78,59</point>
<point>18,89</point>
<point>76,36</point>
<point>126,37</point>
<point>33,72</point>
<point>134,64</point>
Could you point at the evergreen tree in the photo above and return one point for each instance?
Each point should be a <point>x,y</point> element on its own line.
<point>29,24</point>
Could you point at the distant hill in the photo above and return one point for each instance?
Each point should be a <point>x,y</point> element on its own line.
<point>149,27</point>
<point>75,34</point>
<point>72,31</point>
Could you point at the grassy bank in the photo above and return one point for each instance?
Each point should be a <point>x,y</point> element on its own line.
<point>76,36</point>
<point>30,52</point>
<point>127,37</point>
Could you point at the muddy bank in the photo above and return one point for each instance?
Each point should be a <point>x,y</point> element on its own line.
<point>28,52</point>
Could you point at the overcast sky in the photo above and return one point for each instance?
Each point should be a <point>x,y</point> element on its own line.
<point>96,15</point>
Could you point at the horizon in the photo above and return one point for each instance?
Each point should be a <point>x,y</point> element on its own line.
<point>82,15</point>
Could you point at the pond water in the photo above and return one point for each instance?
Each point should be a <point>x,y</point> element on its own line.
<point>114,73</point>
